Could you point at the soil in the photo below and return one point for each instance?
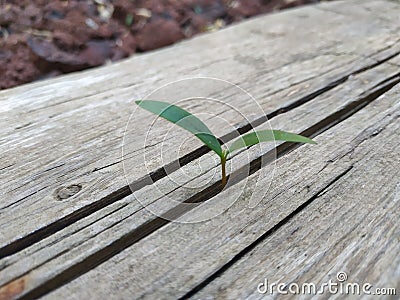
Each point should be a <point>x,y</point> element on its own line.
<point>44,38</point>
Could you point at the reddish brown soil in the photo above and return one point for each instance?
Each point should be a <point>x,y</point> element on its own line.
<point>45,38</point>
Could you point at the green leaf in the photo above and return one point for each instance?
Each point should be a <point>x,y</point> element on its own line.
<point>256,137</point>
<point>129,20</point>
<point>184,119</point>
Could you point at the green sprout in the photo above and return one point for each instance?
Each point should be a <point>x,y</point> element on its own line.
<point>189,122</point>
<point>129,20</point>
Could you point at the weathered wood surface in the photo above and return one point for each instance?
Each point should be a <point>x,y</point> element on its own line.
<point>178,258</point>
<point>61,133</point>
<point>38,157</point>
<point>129,214</point>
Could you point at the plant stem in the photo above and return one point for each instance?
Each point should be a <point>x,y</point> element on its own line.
<point>223,162</point>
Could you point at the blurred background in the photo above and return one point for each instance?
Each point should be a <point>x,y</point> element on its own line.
<point>42,39</point>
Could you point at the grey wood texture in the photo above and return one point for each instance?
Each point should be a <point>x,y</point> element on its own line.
<point>71,227</point>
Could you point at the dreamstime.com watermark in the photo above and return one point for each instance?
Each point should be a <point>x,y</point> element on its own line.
<point>341,286</point>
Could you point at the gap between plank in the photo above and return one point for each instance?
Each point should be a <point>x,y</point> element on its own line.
<point>36,236</point>
<point>264,236</point>
<point>151,226</point>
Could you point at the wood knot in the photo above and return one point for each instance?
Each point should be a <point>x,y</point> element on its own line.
<point>63,193</point>
<point>13,289</point>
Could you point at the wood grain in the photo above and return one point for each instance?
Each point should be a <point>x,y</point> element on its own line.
<point>67,211</point>
<point>179,257</point>
<point>68,131</point>
<point>95,235</point>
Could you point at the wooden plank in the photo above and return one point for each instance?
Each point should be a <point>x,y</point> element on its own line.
<point>353,227</point>
<point>75,245</point>
<point>52,128</point>
<point>179,257</point>
<point>43,274</point>
<point>347,231</point>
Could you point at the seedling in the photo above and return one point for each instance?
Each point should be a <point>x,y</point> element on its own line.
<point>189,122</point>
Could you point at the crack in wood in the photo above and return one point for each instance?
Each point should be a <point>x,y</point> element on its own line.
<point>160,173</point>
<point>132,237</point>
<point>6,167</point>
<point>267,234</point>
<point>16,203</point>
